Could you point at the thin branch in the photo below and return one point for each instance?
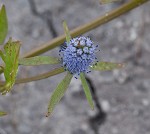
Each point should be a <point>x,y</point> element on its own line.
<point>38,77</point>
<point>87,27</point>
<point>41,76</point>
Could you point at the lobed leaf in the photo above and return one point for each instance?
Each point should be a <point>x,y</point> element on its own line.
<point>59,93</point>
<point>106,66</point>
<point>38,60</point>
<point>2,113</point>
<point>87,90</point>
<point>10,58</point>
<point>3,24</point>
<point>67,33</point>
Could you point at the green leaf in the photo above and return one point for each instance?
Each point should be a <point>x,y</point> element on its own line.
<point>107,1</point>
<point>38,60</point>
<point>10,58</point>
<point>2,113</point>
<point>87,90</point>
<point>105,66</point>
<point>59,93</point>
<point>3,24</point>
<point>67,33</point>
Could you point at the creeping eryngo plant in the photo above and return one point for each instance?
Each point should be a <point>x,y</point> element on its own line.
<point>78,56</point>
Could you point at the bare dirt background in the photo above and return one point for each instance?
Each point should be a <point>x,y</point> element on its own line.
<point>123,94</point>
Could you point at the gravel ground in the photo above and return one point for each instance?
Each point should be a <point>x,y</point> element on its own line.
<point>124,94</point>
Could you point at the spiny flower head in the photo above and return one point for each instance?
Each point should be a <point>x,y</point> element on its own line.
<point>78,55</point>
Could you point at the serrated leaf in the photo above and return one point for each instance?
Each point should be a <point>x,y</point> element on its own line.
<point>107,1</point>
<point>10,58</point>
<point>67,33</point>
<point>3,24</point>
<point>2,113</point>
<point>59,93</point>
<point>87,90</point>
<point>38,60</point>
<point>106,66</point>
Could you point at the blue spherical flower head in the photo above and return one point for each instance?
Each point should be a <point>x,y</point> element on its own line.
<point>79,55</point>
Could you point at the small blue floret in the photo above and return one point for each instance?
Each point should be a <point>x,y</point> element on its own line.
<point>79,55</point>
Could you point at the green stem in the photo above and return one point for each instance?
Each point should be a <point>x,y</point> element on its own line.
<point>41,76</point>
<point>86,27</point>
<point>38,77</point>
